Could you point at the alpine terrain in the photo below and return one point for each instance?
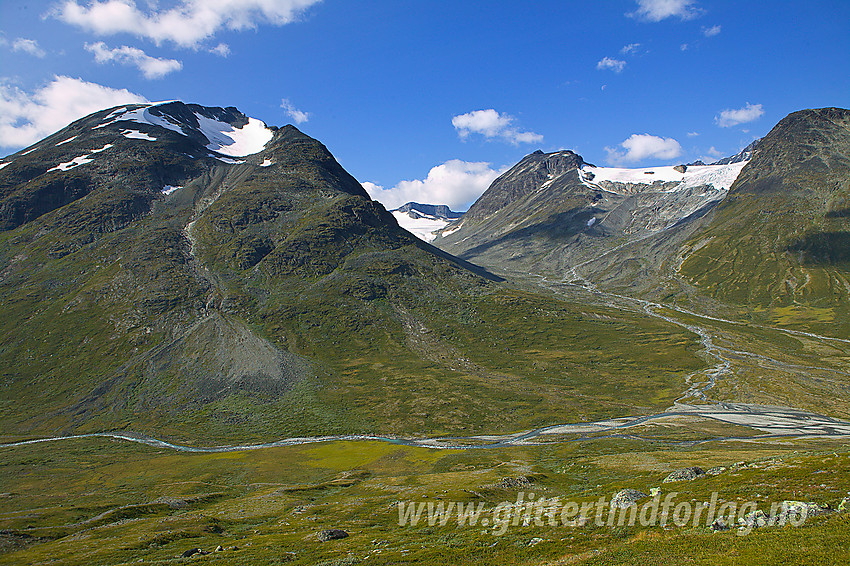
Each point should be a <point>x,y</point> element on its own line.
<point>215,347</point>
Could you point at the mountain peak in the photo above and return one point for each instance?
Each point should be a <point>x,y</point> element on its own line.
<point>524,178</point>
<point>226,131</point>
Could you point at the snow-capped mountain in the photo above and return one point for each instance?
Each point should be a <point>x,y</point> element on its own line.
<point>423,220</point>
<point>554,209</point>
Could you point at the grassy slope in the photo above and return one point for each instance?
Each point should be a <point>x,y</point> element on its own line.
<point>778,244</point>
<point>111,503</point>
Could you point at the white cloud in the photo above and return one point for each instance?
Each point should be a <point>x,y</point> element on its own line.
<point>684,47</point>
<point>693,134</point>
<point>615,65</point>
<point>455,183</point>
<point>643,146</point>
<point>26,118</point>
<point>630,48</point>
<point>187,24</point>
<point>657,10</point>
<point>711,32</point>
<point>222,50</point>
<point>297,116</point>
<point>729,117</point>
<point>714,152</point>
<point>28,46</point>
<point>151,67</point>
<point>492,124</point>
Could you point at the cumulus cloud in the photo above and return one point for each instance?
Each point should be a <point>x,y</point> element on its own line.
<point>610,63</point>
<point>711,32</point>
<point>151,67</point>
<point>630,48</point>
<point>187,24</point>
<point>30,46</point>
<point>643,146</point>
<point>297,116</point>
<point>455,183</point>
<point>492,125</point>
<point>657,10</point>
<point>222,50</point>
<point>732,117</point>
<point>26,117</point>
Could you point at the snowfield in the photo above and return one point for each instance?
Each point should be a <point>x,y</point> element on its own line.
<point>68,165</point>
<point>137,135</point>
<point>422,228</point>
<point>720,177</point>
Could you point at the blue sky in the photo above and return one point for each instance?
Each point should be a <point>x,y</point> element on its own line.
<point>429,100</point>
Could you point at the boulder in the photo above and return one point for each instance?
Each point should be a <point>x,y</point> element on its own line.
<point>685,474</point>
<point>332,534</point>
<point>719,525</point>
<point>799,510</point>
<point>681,168</point>
<point>626,498</point>
<point>521,482</point>
<point>715,471</point>
<point>192,552</point>
<point>755,520</point>
<point>844,506</point>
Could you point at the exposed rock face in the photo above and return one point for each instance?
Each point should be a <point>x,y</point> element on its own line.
<point>744,155</point>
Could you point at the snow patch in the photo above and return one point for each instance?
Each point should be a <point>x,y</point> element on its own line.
<point>235,142</point>
<point>66,141</point>
<point>591,222</point>
<point>27,152</point>
<point>2,165</point>
<point>68,165</point>
<point>137,135</point>
<point>266,163</point>
<point>104,148</point>
<point>228,159</point>
<point>168,189</point>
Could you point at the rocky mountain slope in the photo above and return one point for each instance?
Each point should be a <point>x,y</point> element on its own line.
<point>191,273</point>
<point>553,211</point>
